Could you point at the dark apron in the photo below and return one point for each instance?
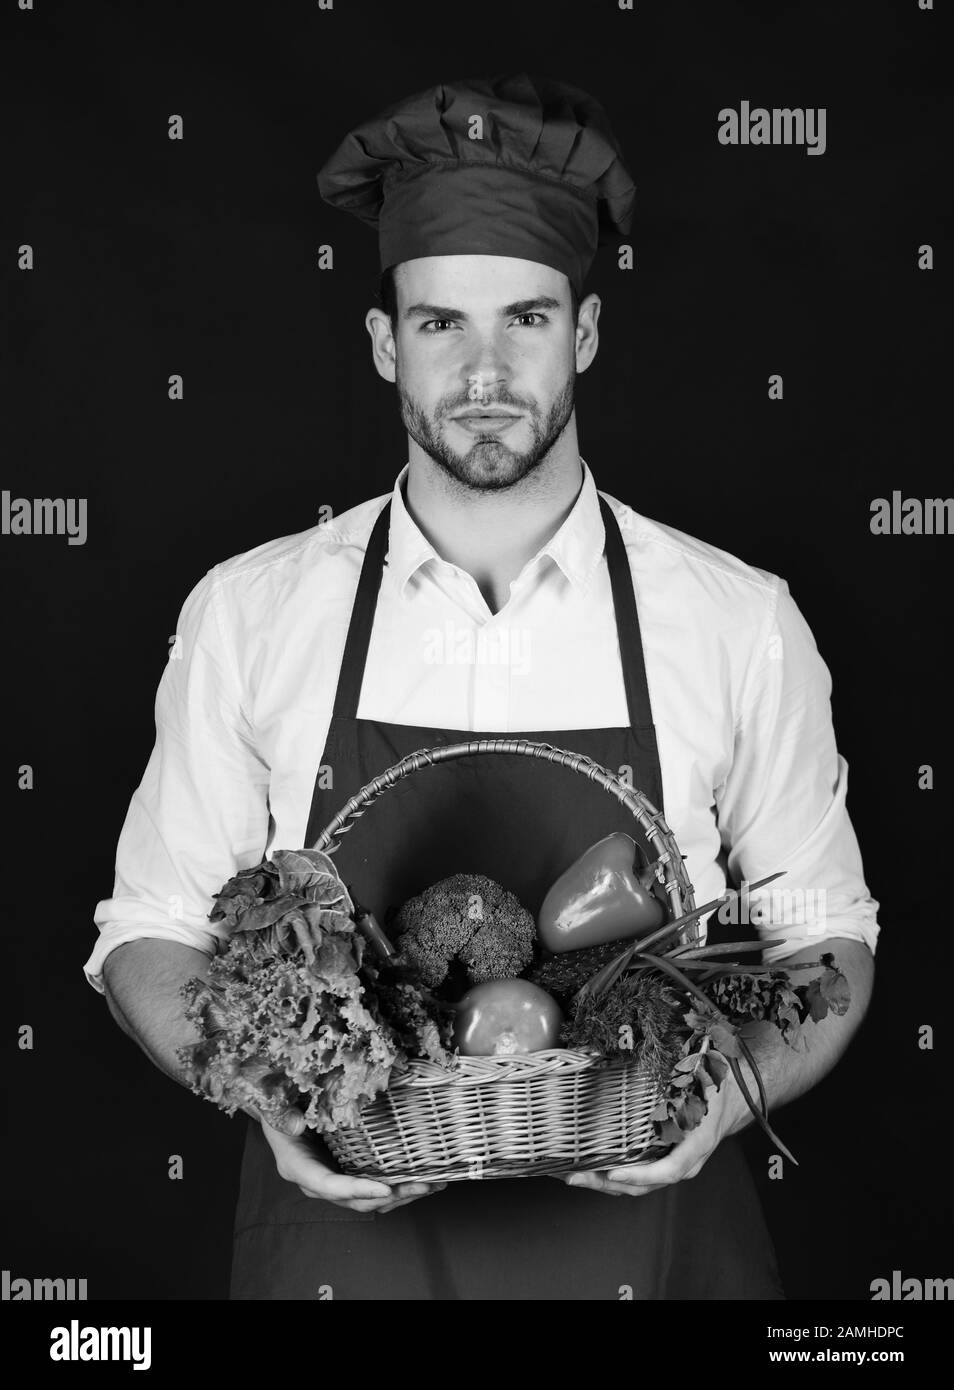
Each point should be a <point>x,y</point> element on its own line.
<point>521,821</point>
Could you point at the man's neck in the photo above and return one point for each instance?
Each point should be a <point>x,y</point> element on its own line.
<point>492,533</point>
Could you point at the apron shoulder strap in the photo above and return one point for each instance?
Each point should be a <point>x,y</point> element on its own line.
<point>627,622</point>
<point>355,657</point>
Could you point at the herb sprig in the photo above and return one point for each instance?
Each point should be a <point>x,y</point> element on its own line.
<point>683,1011</point>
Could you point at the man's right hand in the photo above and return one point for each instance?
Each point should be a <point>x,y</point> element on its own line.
<point>297,1162</point>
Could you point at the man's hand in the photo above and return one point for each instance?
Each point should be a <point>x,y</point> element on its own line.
<point>726,1113</point>
<point>297,1162</point>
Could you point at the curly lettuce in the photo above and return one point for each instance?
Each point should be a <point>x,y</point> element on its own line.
<point>290,1015</point>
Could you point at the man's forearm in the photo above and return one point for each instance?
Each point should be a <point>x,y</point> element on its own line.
<point>142,980</point>
<point>787,1072</point>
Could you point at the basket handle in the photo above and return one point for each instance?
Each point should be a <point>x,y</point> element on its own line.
<point>670,871</point>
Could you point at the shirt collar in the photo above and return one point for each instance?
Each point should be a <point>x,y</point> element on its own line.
<point>576,548</point>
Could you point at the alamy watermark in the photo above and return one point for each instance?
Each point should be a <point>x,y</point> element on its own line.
<point>782,907</point>
<point>782,125</point>
<point>905,1290</point>
<point>15,1289</point>
<point>453,645</point>
<point>912,516</point>
<point>75,1343</point>
<point>43,516</point>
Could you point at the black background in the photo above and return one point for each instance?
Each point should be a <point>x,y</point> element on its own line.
<point>199,257</point>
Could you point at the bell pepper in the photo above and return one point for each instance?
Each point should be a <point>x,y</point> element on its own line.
<point>608,894</point>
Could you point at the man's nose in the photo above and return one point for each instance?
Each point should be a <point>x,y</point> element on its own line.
<point>483,386</point>
<point>486,367</point>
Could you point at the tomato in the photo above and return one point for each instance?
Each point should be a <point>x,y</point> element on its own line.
<point>506,1016</point>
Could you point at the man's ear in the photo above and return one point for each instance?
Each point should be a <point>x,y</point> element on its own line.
<point>587,333</point>
<point>383,347</point>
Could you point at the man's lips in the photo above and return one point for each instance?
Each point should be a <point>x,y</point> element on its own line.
<point>487,413</point>
<point>485,422</point>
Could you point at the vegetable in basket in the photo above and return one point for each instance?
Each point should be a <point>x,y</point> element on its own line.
<point>298,1010</point>
<point>683,1010</point>
<point>503,1017</point>
<point>464,926</point>
<point>607,894</point>
<point>564,974</point>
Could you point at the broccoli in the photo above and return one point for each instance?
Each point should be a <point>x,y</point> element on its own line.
<point>468,919</point>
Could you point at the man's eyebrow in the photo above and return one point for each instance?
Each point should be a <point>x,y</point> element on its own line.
<point>443,311</point>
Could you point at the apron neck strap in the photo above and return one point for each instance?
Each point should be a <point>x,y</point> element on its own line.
<point>627,623</point>
<point>355,656</point>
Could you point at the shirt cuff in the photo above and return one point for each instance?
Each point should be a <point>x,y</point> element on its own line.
<point>800,937</point>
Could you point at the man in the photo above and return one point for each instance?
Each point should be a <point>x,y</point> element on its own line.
<point>315,662</point>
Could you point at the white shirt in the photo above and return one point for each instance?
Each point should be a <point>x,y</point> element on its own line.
<point>739,693</point>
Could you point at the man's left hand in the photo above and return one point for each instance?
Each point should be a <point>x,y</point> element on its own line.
<point>726,1113</point>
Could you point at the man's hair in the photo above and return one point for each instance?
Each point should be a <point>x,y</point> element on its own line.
<point>387,296</point>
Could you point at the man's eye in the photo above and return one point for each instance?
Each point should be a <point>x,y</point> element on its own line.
<point>434,326</point>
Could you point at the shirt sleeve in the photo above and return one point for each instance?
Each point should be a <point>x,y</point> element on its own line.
<point>782,806</point>
<point>200,812</point>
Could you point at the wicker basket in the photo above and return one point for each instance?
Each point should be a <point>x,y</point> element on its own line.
<point>512,1116</point>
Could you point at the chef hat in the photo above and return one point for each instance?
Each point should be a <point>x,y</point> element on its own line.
<point>542,181</point>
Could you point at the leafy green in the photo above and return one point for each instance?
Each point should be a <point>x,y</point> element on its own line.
<point>286,1031</point>
<point>690,1043</point>
<point>828,991</point>
<point>638,1013</point>
<point>684,1103</point>
<point>292,1014</point>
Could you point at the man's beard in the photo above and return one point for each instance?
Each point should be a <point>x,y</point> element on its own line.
<point>489,464</point>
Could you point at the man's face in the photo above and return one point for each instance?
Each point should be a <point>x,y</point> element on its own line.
<point>485,363</point>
